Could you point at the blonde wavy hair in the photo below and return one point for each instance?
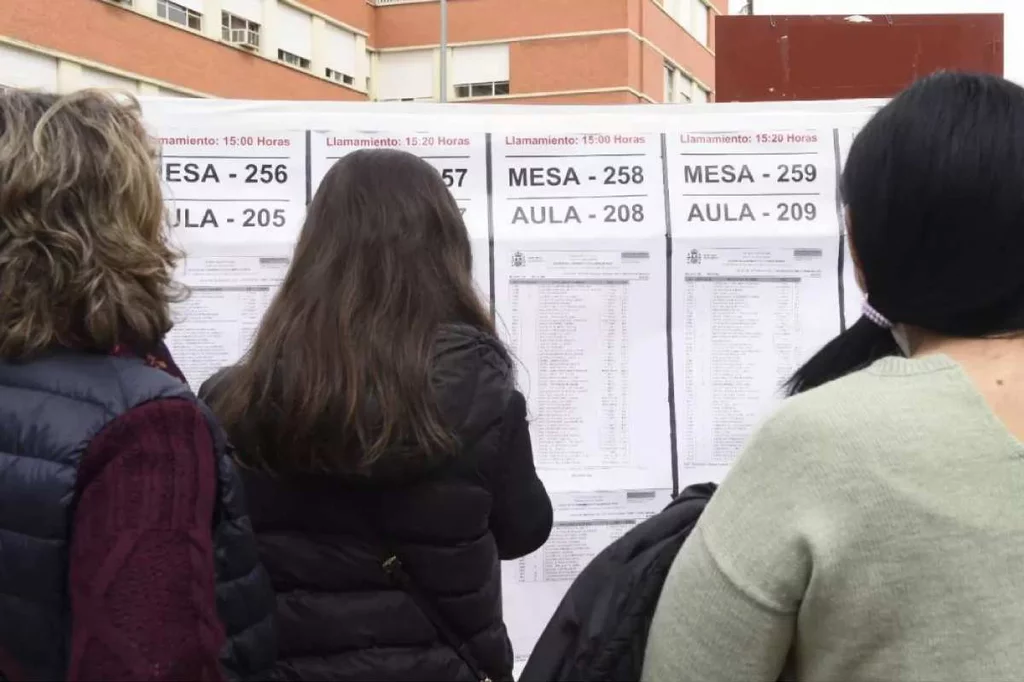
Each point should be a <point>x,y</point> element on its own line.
<point>84,257</point>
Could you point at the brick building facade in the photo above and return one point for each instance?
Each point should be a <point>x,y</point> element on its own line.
<point>519,51</point>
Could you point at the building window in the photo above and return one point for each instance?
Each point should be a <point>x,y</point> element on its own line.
<point>685,89</point>
<point>670,88</point>
<point>293,59</point>
<point>701,21</point>
<point>340,77</point>
<point>177,14</point>
<point>239,31</point>
<point>474,90</point>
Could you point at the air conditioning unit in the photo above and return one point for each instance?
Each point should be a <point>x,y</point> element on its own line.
<point>123,3</point>
<point>246,38</point>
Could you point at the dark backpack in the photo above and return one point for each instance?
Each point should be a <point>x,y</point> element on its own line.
<point>599,631</point>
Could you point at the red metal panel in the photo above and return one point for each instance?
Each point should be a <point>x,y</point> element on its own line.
<point>773,58</point>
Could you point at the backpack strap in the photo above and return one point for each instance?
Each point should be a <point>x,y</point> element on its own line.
<point>392,566</point>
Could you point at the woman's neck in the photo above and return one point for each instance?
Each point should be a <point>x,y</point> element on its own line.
<point>996,361</point>
<point>996,349</point>
<point>996,368</point>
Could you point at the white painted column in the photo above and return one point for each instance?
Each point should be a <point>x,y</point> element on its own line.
<point>438,79</point>
<point>268,30</point>
<point>318,60</point>
<point>69,76</point>
<point>212,21</point>
<point>362,65</point>
<point>374,77</point>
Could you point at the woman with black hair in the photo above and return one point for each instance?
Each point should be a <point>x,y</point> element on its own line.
<point>873,528</point>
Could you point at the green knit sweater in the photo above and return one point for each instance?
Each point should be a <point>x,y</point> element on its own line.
<point>873,529</point>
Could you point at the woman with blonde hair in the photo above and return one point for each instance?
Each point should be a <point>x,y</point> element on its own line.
<point>125,551</point>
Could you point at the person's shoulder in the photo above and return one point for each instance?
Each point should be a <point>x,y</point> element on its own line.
<point>825,400</point>
<point>208,388</point>
<point>151,434</point>
<point>872,399</point>
<point>462,342</point>
<point>467,355</point>
<point>792,465</point>
<point>472,375</point>
<point>175,415</point>
<point>846,423</point>
<point>825,412</point>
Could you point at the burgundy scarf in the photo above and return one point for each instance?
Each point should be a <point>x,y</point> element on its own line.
<point>159,357</point>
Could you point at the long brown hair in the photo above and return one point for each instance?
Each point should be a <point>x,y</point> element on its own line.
<point>339,370</point>
<point>84,257</point>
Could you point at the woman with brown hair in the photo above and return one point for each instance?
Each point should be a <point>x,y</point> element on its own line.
<point>387,454</point>
<point>125,553</point>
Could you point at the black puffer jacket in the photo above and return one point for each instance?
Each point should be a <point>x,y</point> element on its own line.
<point>50,409</point>
<point>599,631</point>
<point>322,539</point>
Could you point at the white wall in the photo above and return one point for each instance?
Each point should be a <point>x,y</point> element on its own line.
<point>163,92</point>
<point>405,74</point>
<point>23,69</point>
<point>479,64</point>
<point>247,9</point>
<point>1012,11</point>
<point>93,78</point>
<point>362,62</point>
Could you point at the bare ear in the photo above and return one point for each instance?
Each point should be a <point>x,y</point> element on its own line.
<point>858,272</point>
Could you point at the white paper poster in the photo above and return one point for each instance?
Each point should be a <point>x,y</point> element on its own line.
<point>748,184</point>
<point>580,291</point>
<point>586,325</point>
<point>657,273</point>
<point>215,325</point>
<point>234,188</point>
<point>746,315</point>
<point>577,187</point>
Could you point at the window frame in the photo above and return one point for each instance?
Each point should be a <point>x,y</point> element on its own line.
<point>292,59</point>
<point>164,9</point>
<point>232,22</point>
<point>339,76</point>
<point>483,90</point>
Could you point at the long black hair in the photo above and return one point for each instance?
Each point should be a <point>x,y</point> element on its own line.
<point>934,188</point>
